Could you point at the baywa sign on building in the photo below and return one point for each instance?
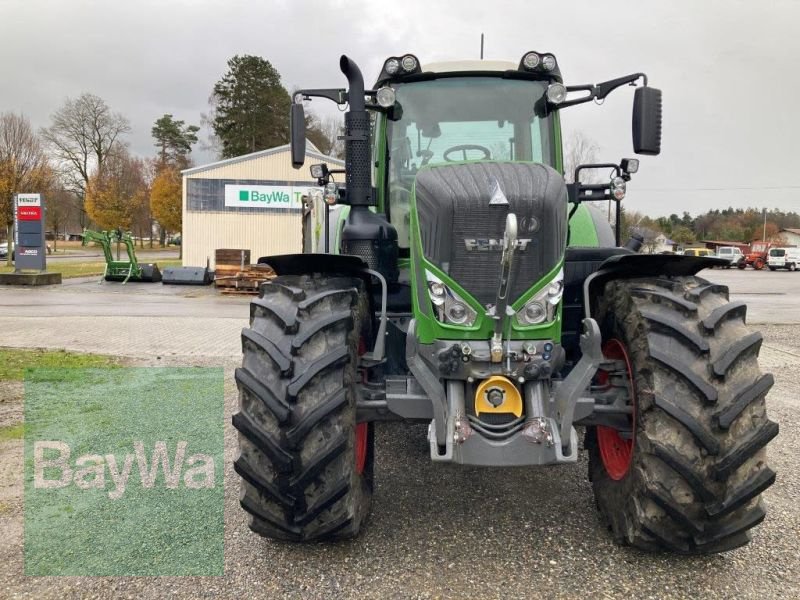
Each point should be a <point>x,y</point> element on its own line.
<point>284,197</point>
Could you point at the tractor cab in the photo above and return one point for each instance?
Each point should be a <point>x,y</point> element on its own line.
<point>464,117</point>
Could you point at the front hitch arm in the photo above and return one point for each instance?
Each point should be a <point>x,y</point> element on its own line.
<point>578,380</point>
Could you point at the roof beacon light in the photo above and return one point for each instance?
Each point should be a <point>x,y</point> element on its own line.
<point>556,93</point>
<point>531,60</point>
<point>409,63</point>
<point>391,66</point>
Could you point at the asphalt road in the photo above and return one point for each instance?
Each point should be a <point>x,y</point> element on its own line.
<point>772,297</point>
<point>439,531</point>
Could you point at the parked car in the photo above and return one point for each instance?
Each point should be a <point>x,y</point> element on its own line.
<point>4,250</point>
<point>732,254</point>
<point>784,258</point>
<point>698,252</point>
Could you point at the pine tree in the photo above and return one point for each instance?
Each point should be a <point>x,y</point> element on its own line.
<point>251,107</point>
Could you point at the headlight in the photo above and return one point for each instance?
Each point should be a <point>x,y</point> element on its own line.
<point>556,93</point>
<point>391,66</point>
<point>437,292</point>
<point>385,97</point>
<point>331,193</point>
<point>456,312</point>
<point>449,306</point>
<point>543,306</point>
<point>533,313</point>
<point>549,62</point>
<point>530,60</point>
<point>618,188</point>
<point>409,63</point>
<point>318,171</point>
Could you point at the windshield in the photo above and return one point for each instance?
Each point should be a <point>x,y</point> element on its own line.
<point>457,119</point>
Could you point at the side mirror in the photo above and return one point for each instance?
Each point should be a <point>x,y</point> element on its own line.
<point>297,134</point>
<point>647,121</point>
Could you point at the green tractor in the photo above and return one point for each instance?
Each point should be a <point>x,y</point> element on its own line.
<point>465,285</point>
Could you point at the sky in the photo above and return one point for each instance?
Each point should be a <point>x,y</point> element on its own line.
<point>728,70</point>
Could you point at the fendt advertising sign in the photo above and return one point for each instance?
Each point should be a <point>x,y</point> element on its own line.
<point>29,245</point>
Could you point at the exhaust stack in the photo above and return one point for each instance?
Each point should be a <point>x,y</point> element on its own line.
<point>356,138</point>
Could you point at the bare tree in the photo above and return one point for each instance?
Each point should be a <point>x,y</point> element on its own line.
<point>84,133</point>
<point>60,206</point>
<point>580,149</point>
<point>325,134</point>
<point>23,165</point>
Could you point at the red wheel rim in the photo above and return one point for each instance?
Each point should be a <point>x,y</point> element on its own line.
<point>361,447</point>
<point>616,452</point>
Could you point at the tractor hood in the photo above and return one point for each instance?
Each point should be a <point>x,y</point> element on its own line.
<point>462,211</point>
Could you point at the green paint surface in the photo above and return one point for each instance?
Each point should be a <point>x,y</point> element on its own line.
<point>87,524</point>
<point>582,232</point>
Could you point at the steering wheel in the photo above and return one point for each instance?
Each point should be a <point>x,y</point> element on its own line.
<point>487,154</point>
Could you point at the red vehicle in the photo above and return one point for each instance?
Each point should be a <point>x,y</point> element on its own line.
<point>757,256</point>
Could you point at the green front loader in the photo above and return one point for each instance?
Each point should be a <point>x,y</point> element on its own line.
<point>462,283</point>
<point>121,270</point>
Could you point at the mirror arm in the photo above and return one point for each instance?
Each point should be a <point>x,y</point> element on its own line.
<point>337,95</point>
<point>601,90</point>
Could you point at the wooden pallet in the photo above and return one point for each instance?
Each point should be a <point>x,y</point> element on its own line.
<point>246,280</point>
<point>230,262</point>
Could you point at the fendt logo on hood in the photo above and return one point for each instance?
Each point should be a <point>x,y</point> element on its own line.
<point>491,244</point>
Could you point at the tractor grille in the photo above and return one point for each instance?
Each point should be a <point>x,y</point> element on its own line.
<point>462,232</point>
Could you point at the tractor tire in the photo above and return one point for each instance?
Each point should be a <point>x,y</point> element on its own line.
<point>306,466</point>
<point>696,462</point>
<point>758,264</point>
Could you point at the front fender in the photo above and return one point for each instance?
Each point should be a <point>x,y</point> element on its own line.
<point>304,264</point>
<point>633,266</point>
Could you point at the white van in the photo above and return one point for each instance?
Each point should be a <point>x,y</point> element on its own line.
<point>784,258</point>
<point>730,253</point>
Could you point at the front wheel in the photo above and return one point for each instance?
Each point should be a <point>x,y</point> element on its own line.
<point>686,473</point>
<point>758,264</point>
<point>792,267</point>
<point>305,464</point>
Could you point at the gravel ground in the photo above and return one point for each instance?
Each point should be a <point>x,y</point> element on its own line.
<point>439,531</point>
<point>456,532</point>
